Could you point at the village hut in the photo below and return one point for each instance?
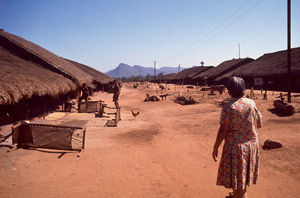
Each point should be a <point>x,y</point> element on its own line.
<point>101,80</point>
<point>185,76</point>
<point>207,77</point>
<point>27,88</point>
<point>269,71</point>
<point>35,53</point>
<point>168,78</point>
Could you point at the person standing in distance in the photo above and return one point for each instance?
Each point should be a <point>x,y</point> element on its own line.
<point>117,90</point>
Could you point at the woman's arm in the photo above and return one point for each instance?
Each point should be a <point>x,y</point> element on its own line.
<point>259,120</point>
<point>259,124</point>
<point>223,130</point>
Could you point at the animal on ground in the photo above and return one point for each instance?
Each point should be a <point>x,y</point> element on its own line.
<point>161,87</point>
<point>269,144</point>
<point>151,98</point>
<point>135,114</point>
<point>164,96</point>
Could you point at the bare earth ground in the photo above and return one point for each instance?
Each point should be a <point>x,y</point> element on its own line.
<point>163,152</point>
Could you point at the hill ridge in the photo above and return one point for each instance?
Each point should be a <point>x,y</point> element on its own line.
<point>125,70</point>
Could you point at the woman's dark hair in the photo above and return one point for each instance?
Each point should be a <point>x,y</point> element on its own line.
<point>236,87</point>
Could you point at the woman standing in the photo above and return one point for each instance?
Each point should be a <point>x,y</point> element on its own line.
<point>239,122</point>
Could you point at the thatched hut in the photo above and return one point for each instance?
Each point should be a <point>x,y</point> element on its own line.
<point>27,89</point>
<point>207,77</point>
<point>100,80</point>
<point>185,76</point>
<point>35,53</point>
<point>269,71</point>
<point>168,78</point>
<point>34,80</point>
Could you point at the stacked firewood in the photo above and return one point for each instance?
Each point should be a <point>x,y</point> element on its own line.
<point>183,100</point>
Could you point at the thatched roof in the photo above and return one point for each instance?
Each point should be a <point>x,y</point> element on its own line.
<point>186,73</point>
<point>191,72</point>
<point>97,75</point>
<point>222,68</point>
<point>168,76</point>
<point>54,62</point>
<point>22,79</point>
<point>271,64</point>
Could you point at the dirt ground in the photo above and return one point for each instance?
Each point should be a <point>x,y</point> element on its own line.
<point>164,152</point>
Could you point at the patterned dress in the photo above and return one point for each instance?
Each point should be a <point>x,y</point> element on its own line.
<point>239,163</point>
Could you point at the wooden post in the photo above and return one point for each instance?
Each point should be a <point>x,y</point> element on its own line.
<point>44,109</point>
<point>265,95</point>
<point>281,97</point>
<point>63,103</point>
<point>27,110</point>
<point>289,51</point>
<point>251,93</point>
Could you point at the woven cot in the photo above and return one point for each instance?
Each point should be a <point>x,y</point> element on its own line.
<point>49,136</point>
<point>89,107</point>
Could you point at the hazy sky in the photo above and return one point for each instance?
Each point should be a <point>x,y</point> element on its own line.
<point>104,33</point>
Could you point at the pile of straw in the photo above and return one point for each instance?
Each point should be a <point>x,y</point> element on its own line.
<point>185,100</point>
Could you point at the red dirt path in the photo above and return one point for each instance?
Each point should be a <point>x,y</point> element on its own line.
<point>163,152</point>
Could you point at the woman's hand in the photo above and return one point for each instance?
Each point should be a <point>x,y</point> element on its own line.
<point>223,130</point>
<point>215,154</point>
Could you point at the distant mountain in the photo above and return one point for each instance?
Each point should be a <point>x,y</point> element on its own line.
<point>124,70</point>
<point>143,71</point>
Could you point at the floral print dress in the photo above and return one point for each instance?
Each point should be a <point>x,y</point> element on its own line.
<point>239,163</point>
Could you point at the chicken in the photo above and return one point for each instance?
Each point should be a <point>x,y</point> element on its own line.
<point>135,113</point>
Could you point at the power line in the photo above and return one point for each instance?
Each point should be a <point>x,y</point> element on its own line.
<point>229,25</point>
<point>199,43</point>
<point>214,29</point>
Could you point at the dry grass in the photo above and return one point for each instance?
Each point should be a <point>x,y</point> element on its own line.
<point>168,76</point>
<point>222,68</point>
<point>22,79</point>
<point>186,73</point>
<point>47,56</point>
<point>268,65</point>
<point>97,75</point>
<point>191,72</point>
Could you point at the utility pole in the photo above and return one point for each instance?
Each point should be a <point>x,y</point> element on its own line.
<point>239,55</point>
<point>289,50</point>
<point>239,52</point>
<point>154,70</point>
